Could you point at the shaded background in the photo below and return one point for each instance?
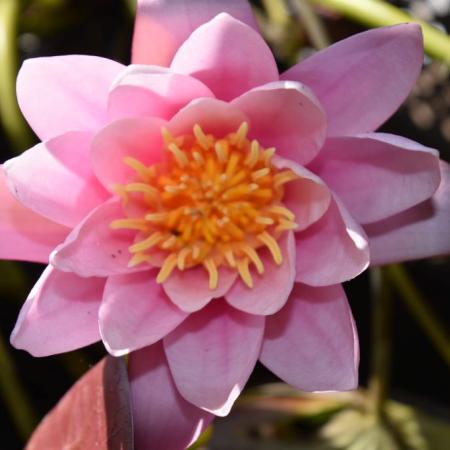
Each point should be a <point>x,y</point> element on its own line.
<point>104,28</point>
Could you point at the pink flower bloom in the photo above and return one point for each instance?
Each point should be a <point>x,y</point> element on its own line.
<point>201,211</point>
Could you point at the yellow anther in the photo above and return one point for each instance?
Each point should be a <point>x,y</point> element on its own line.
<point>284,177</point>
<point>257,174</point>
<point>198,158</point>
<point>168,243</point>
<point>282,211</point>
<point>178,154</point>
<point>253,156</point>
<point>167,268</point>
<point>272,245</point>
<point>232,164</point>
<point>264,220</point>
<point>144,172</point>
<point>167,137</point>
<point>286,225</point>
<point>129,224</point>
<point>251,253</point>
<point>267,155</point>
<point>156,217</point>
<point>244,272</point>
<point>241,135</point>
<point>139,258</point>
<point>204,141</point>
<point>211,267</point>
<point>229,256</point>
<point>146,244</point>
<point>221,148</point>
<point>143,188</point>
<point>181,261</point>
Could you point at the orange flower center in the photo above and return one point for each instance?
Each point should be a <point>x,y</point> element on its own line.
<point>211,202</point>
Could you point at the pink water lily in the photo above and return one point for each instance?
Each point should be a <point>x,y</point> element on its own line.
<point>200,211</point>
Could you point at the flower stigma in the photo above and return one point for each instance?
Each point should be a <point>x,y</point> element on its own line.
<point>211,202</point>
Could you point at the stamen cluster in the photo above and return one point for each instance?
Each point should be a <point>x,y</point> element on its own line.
<point>210,202</point>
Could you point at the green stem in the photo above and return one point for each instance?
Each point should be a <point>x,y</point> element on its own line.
<point>418,307</point>
<point>14,396</point>
<point>381,341</point>
<point>14,125</point>
<point>312,23</point>
<point>276,11</point>
<point>377,13</point>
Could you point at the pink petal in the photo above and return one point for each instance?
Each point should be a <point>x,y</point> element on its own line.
<point>214,116</point>
<point>162,418</point>
<point>93,249</point>
<point>332,250</point>
<point>135,313</point>
<point>190,291</point>
<point>228,56</point>
<point>55,180</point>
<point>146,91</point>
<point>60,314</point>
<point>419,232</point>
<point>362,80</point>
<point>285,115</point>
<point>139,138</point>
<point>212,354</point>
<point>163,25</point>
<point>65,93</point>
<point>312,342</point>
<point>271,289</point>
<point>378,175</point>
<point>24,235</point>
<point>307,197</point>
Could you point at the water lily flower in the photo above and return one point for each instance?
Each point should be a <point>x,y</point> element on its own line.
<point>200,211</point>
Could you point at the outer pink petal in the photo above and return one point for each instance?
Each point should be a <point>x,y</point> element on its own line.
<point>135,313</point>
<point>271,289</point>
<point>163,25</point>
<point>377,175</point>
<point>25,235</point>
<point>190,291</point>
<point>93,249</point>
<point>312,342</point>
<point>65,93</point>
<point>419,232</point>
<point>214,116</point>
<point>60,314</point>
<point>149,91</point>
<point>362,80</point>
<point>212,354</point>
<point>285,115</point>
<point>139,138</point>
<point>307,197</point>
<point>55,180</point>
<point>162,418</point>
<point>333,250</point>
<point>228,56</point>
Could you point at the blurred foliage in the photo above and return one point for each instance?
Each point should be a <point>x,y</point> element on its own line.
<point>269,417</point>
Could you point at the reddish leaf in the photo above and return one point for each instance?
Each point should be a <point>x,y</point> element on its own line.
<point>94,414</point>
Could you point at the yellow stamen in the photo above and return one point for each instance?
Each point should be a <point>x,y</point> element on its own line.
<point>129,224</point>
<point>211,267</point>
<point>178,154</point>
<point>146,244</point>
<point>251,253</point>
<point>244,272</point>
<point>213,202</point>
<point>167,268</point>
<point>241,134</point>
<point>144,172</point>
<point>272,245</point>
<point>202,138</point>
